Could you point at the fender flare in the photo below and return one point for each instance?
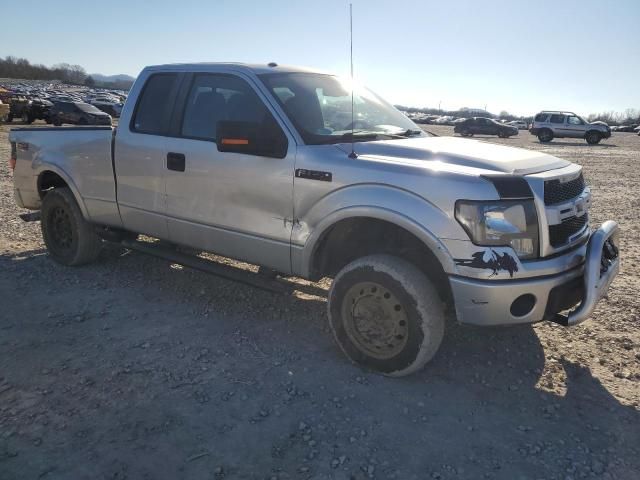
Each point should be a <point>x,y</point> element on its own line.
<point>380,213</point>
<point>48,167</point>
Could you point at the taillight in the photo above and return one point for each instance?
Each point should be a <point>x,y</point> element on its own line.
<point>14,156</point>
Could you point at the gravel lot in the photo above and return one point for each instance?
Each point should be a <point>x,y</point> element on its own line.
<point>133,368</point>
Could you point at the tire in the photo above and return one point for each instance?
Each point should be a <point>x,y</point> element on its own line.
<point>69,238</point>
<point>545,135</point>
<point>10,118</point>
<point>25,118</point>
<point>399,310</point>
<point>466,133</point>
<point>593,137</point>
<point>56,121</point>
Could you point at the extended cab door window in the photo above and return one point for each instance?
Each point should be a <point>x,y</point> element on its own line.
<point>557,118</point>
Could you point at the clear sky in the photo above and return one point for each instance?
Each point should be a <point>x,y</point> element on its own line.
<point>519,56</point>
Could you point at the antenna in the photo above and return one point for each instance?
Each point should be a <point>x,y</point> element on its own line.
<point>353,153</point>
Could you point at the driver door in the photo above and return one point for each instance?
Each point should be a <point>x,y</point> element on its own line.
<point>575,127</point>
<point>237,205</point>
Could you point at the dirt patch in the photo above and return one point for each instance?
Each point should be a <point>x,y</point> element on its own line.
<point>135,368</point>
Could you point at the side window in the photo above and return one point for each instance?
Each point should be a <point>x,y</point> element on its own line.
<point>557,118</point>
<point>573,120</point>
<point>153,112</point>
<point>541,117</point>
<point>214,98</point>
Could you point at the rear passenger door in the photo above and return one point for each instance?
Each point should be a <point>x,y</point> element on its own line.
<point>234,204</point>
<point>140,156</point>
<point>557,121</point>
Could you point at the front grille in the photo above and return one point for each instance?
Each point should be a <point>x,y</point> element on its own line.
<point>560,234</point>
<point>556,192</point>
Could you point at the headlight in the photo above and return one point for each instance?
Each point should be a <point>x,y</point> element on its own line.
<point>512,223</point>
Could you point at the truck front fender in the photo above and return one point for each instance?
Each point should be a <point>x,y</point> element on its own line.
<point>382,202</point>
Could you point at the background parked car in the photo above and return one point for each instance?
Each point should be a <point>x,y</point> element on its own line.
<point>78,113</point>
<point>519,124</point>
<point>484,126</point>
<point>627,128</point>
<point>548,125</point>
<point>113,109</point>
<point>37,109</point>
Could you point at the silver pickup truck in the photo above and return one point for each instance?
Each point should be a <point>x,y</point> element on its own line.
<point>269,165</point>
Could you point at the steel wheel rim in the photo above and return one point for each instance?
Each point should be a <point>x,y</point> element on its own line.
<point>375,320</point>
<point>61,230</point>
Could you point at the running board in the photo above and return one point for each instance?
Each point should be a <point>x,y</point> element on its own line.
<point>30,217</point>
<point>208,266</point>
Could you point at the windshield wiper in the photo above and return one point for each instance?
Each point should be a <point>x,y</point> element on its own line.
<point>410,133</point>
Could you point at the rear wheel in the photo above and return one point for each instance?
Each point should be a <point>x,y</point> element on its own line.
<point>26,118</point>
<point>545,135</point>
<point>386,315</point>
<point>56,121</point>
<point>593,137</point>
<point>69,238</point>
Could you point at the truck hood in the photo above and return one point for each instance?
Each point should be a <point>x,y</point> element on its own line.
<point>459,154</point>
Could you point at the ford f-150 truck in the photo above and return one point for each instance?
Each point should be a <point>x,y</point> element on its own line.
<point>268,164</point>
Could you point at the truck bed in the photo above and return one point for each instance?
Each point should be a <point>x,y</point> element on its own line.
<point>85,151</point>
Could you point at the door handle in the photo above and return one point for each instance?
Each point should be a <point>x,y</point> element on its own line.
<point>176,161</point>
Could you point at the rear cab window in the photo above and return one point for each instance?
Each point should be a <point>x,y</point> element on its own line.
<point>153,112</point>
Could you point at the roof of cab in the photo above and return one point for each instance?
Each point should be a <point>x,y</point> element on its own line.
<point>255,68</point>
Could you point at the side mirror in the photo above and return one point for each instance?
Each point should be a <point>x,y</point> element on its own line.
<point>251,138</point>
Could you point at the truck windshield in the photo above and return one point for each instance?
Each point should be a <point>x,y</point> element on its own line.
<point>319,106</point>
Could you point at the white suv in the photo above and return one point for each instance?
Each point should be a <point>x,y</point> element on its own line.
<point>548,125</point>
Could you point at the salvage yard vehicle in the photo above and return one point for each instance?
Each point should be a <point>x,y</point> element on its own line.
<point>37,109</point>
<point>18,107</point>
<point>4,111</point>
<point>253,162</point>
<point>78,113</point>
<point>548,125</point>
<point>484,126</point>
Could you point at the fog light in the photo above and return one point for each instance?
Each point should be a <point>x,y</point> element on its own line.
<point>523,305</point>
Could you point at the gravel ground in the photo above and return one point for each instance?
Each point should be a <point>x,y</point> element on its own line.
<point>133,368</point>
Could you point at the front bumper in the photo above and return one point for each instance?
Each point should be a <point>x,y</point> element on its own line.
<point>510,302</point>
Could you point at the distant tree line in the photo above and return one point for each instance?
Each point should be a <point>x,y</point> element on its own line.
<point>14,67</point>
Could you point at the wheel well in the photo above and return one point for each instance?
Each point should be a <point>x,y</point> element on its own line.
<point>353,238</point>
<point>49,180</point>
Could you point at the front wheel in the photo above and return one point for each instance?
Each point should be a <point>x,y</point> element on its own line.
<point>69,238</point>
<point>386,315</point>
<point>593,138</point>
